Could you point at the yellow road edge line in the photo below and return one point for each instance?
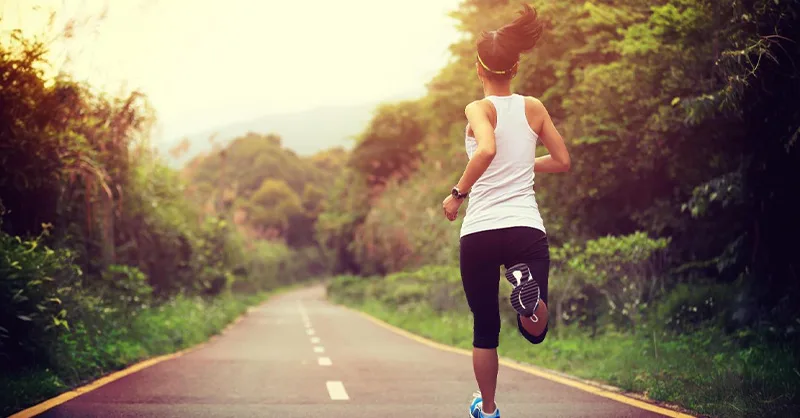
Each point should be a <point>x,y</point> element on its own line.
<point>66,396</point>
<point>530,370</point>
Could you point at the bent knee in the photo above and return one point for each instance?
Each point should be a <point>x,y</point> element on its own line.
<point>534,338</point>
<point>539,338</point>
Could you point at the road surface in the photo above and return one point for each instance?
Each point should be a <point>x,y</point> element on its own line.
<point>300,356</point>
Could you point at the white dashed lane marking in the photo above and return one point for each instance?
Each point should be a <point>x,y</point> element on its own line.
<point>337,391</point>
<point>335,388</point>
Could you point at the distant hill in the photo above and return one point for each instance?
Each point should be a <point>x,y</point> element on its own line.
<point>304,132</point>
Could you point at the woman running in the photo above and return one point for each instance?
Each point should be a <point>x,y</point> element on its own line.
<point>502,224</point>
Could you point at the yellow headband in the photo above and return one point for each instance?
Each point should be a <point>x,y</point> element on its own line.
<point>485,67</point>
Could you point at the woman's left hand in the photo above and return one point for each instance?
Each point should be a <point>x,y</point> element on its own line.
<point>450,206</point>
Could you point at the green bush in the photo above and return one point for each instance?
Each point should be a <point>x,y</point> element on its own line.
<point>438,287</point>
<point>34,282</point>
<point>266,265</point>
<point>123,287</point>
<point>690,306</point>
<point>348,289</point>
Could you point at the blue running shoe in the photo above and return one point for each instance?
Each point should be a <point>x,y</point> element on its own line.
<point>475,408</point>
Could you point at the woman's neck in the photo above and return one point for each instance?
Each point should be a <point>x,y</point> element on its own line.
<point>496,89</point>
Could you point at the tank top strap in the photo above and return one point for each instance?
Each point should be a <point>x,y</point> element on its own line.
<point>517,110</point>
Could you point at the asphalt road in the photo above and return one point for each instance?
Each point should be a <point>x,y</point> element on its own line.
<point>299,356</point>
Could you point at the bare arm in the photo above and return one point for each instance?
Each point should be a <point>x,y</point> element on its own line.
<point>558,160</point>
<point>481,125</point>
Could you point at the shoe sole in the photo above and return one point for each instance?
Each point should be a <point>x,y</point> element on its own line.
<point>469,415</point>
<point>525,296</point>
<point>524,274</point>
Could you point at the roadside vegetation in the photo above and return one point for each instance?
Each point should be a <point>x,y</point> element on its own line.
<point>107,255</point>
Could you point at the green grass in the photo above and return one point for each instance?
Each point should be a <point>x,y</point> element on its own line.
<point>702,372</point>
<point>90,351</point>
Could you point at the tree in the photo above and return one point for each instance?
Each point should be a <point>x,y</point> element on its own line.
<point>388,147</point>
<point>273,205</point>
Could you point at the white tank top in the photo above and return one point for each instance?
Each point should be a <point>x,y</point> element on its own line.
<point>503,196</point>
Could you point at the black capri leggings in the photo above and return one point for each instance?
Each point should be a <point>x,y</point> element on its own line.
<point>481,255</point>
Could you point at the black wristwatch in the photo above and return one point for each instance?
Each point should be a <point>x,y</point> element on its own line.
<point>457,194</point>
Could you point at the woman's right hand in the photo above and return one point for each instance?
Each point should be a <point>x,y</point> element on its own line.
<point>450,206</point>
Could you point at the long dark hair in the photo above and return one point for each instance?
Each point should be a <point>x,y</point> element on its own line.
<point>499,50</point>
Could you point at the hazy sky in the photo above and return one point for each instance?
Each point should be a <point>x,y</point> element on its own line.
<point>204,63</point>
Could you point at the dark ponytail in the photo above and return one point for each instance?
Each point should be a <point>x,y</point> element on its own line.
<point>499,50</point>
<point>522,34</point>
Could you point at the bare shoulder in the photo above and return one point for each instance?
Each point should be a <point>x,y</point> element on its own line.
<point>471,105</point>
<point>534,105</point>
<point>484,105</point>
<point>536,113</point>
